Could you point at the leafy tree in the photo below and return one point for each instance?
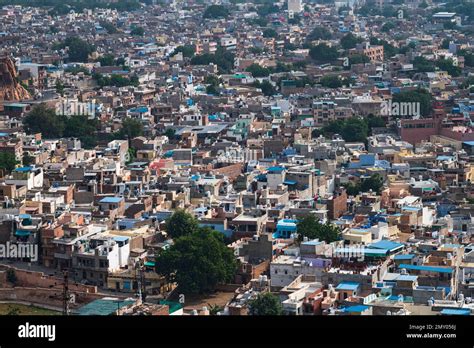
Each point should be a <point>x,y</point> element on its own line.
<point>331,81</point>
<point>78,49</point>
<point>374,183</point>
<point>270,33</point>
<point>222,58</point>
<point>27,160</point>
<point>311,228</point>
<point>266,87</point>
<point>59,88</point>
<point>44,120</point>
<point>170,133</point>
<point>387,27</point>
<point>187,50</point>
<point>422,64</point>
<point>319,33</point>
<point>350,41</point>
<point>197,262</point>
<point>137,31</point>
<point>216,11</point>
<point>11,276</point>
<point>469,60</point>
<point>106,60</point>
<point>265,304</point>
<point>181,224</point>
<point>295,20</point>
<point>448,65</point>
<point>359,59</point>
<point>354,129</point>
<point>375,122</point>
<point>7,161</point>
<point>258,71</point>
<point>83,128</point>
<point>131,128</point>
<point>322,53</point>
<point>420,95</point>
<point>13,310</point>
<point>109,27</point>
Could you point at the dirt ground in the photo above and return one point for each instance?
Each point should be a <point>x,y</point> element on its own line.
<point>198,301</point>
<point>21,309</point>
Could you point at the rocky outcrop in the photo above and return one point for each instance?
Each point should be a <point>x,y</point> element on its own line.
<point>10,89</point>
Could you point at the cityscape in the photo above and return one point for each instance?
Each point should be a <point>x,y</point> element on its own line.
<point>236,158</point>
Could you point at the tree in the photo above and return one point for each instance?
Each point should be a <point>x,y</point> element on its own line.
<point>170,133</point>
<point>359,59</point>
<point>258,71</point>
<point>311,228</point>
<point>265,304</point>
<point>319,33</point>
<point>374,183</point>
<point>422,64</point>
<point>106,60</point>
<point>44,120</point>
<point>448,65</point>
<point>216,11</point>
<point>137,31</point>
<point>350,41</point>
<point>331,81</point>
<point>198,262</point>
<point>222,58</point>
<point>266,87</point>
<point>83,128</point>
<point>270,33</point>
<point>387,27</point>
<point>187,50</point>
<point>11,276</point>
<point>322,53</point>
<point>78,49</point>
<point>131,128</point>
<point>181,224</point>
<point>27,160</point>
<point>419,95</point>
<point>7,161</point>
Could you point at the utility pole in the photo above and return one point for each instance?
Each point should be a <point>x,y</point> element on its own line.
<point>66,295</point>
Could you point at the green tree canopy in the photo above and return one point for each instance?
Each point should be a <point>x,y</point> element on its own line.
<point>131,128</point>
<point>354,129</point>
<point>258,71</point>
<point>78,49</point>
<point>420,95</point>
<point>187,50</point>
<point>270,33</point>
<point>137,31</point>
<point>198,262</point>
<point>312,228</point>
<point>319,33</point>
<point>265,304</point>
<point>322,53</point>
<point>216,11</point>
<point>8,161</point>
<point>350,41</point>
<point>331,81</point>
<point>181,224</point>
<point>374,183</point>
<point>44,120</point>
<point>266,87</point>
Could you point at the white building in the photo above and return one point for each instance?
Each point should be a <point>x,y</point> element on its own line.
<point>295,6</point>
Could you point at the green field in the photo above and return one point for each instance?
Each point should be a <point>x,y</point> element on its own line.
<point>21,309</point>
